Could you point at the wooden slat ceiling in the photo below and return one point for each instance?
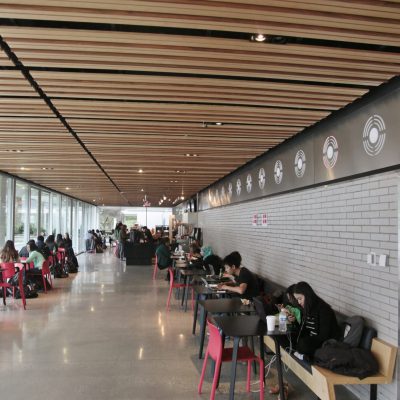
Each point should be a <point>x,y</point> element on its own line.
<point>138,85</point>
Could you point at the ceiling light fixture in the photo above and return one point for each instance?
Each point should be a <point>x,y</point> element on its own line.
<point>67,188</point>
<point>258,37</point>
<point>219,123</point>
<point>164,197</point>
<point>142,190</point>
<point>140,171</point>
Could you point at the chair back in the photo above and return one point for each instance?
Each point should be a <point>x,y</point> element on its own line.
<point>45,268</point>
<point>9,270</point>
<point>215,345</point>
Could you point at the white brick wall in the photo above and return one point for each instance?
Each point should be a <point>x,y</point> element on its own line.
<point>323,235</point>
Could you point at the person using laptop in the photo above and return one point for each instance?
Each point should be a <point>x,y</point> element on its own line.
<point>245,282</point>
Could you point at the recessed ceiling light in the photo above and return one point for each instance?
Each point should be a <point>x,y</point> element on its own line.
<point>140,170</point>
<point>142,190</point>
<point>259,37</point>
<point>164,197</point>
<point>182,197</point>
<point>67,188</point>
<point>22,168</point>
<point>219,123</point>
<point>94,199</point>
<point>187,154</point>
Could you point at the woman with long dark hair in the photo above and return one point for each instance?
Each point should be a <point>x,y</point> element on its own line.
<point>318,321</point>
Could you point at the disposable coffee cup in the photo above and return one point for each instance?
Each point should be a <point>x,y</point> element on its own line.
<point>271,322</point>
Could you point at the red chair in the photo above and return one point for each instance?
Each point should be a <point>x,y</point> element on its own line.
<point>176,285</point>
<point>155,268</point>
<point>8,271</point>
<point>216,351</point>
<point>46,274</point>
<point>61,257</point>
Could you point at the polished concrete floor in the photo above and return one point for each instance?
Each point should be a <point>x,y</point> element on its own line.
<point>104,334</point>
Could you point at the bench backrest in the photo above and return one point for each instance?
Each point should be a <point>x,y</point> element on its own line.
<point>385,354</point>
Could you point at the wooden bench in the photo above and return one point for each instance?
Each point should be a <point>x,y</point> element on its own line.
<point>323,381</point>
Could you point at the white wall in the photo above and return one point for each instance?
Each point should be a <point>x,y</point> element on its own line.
<point>323,235</point>
<point>155,215</point>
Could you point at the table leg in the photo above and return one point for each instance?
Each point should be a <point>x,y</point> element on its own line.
<point>196,309</point>
<point>233,367</point>
<point>202,331</point>
<point>187,282</point>
<point>279,368</point>
<point>262,352</point>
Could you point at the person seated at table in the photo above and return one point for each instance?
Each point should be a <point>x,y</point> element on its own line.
<point>51,243</point>
<point>35,256</point>
<point>318,321</point>
<point>8,252</point>
<point>60,241</point>
<point>40,242</point>
<point>246,284</point>
<point>290,306</point>
<point>196,259</point>
<point>163,254</point>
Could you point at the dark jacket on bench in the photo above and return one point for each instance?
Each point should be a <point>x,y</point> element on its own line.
<point>319,325</point>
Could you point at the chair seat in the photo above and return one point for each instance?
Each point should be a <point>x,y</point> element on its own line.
<point>244,354</point>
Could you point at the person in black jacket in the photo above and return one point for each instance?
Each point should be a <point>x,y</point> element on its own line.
<point>318,320</point>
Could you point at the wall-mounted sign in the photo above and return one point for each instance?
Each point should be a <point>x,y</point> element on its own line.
<point>364,138</point>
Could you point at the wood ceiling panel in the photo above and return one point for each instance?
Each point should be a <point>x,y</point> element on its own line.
<point>345,20</point>
<point>139,99</point>
<point>114,50</point>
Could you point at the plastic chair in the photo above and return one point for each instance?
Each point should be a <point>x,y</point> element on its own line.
<point>155,268</point>
<point>8,271</point>
<point>176,285</point>
<point>46,274</point>
<point>61,257</point>
<point>216,351</point>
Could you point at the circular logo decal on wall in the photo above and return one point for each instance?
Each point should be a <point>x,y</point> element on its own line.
<point>230,189</point>
<point>374,135</point>
<point>300,164</point>
<point>330,152</point>
<point>261,178</point>
<point>249,183</point>
<point>238,187</point>
<point>278,172</point>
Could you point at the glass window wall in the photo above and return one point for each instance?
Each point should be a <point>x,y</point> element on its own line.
<point>6,207</point>
<point>55,213</point>
<point>27,211</point>
<point>34,213</point>
<point>21,230</point>
<point>45,213</point>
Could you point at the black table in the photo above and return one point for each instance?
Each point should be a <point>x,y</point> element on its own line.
<point>205,292</point>
<point>188,273</point>
<point>244,326</point>
<point>219,306</point>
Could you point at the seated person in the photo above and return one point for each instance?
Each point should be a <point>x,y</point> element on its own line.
<point>8,253</point>
<point>246,284</point>
<point>290,306</point>
<point>163,254</point>
<point>196,259</point>
<point>40,242</point>
<point>318,320</point>
<point>51,244</point>
<point>35,256</point>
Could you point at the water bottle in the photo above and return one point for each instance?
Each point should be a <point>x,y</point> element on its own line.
<point>282,321</point>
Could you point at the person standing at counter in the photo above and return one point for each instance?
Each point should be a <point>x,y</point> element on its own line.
<point>245,284</point>
<point>123,236</point>
<point>163,254</point>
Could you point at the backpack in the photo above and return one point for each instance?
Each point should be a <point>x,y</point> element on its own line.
<point>353,329</point>
<point>29,288</point>
<point>346,360</point>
